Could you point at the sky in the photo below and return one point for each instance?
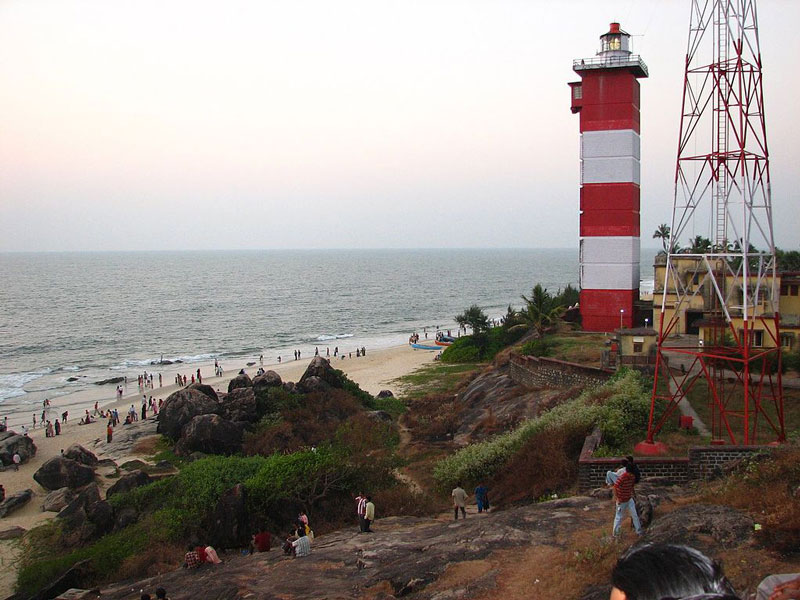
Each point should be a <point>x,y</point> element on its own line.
<point>191,124</point>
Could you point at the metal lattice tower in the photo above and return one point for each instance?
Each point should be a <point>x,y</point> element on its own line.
<point>723,283</point>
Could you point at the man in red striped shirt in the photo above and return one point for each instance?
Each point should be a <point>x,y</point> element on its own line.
<point>623,494</point>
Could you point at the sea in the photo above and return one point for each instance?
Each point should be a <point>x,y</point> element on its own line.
<point>69,320</point>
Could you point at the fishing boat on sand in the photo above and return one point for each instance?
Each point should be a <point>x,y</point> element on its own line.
<point>424,347</point>
<point>444,340</point>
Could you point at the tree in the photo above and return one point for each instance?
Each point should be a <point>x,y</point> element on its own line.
<point>475,319</point>
<point>788,260</point>
<point>698,245</point>
<point>541,310</point>
<point>662,232</point>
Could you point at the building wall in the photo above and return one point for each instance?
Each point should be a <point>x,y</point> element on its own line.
<point>532,371</point>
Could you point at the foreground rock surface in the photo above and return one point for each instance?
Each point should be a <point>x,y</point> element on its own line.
<point>405,556</point>
<point>11,442</point>
<point>59,472</point>
<point>15,502</point>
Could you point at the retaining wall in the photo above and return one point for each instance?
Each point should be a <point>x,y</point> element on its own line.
<point>533,371</point>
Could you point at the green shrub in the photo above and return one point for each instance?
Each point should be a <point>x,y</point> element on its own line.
<point>617,407</point>
<point>538,347</point>
<point>475,348</point>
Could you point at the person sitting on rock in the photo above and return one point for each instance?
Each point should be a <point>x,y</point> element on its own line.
<point>191,560</point>
<point>260,542</point>
<point>288,547</point>
<point>302,545</point>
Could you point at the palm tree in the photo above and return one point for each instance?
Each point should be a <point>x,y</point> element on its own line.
<point>541,310</point>
<point>699,245</point>
<point>475,319</point>
<point>662,232</point>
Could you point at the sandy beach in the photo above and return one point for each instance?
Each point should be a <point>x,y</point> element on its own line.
<point>374,372</point>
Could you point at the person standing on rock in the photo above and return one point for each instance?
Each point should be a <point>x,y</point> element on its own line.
<point>369,515</point>
<point>623,495</point>
<point>361,510</point>
<point>459,501</point>
<point>482,498</point>
<point>16,460</point>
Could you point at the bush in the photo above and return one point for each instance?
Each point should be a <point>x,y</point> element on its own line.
<point>538,347</point>
<point>475,348</point>
<point>616,407</point>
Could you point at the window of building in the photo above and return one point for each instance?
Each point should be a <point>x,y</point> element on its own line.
<point>793,290</point>
<point>787,340</point>
<point>784,290</point>
<point>758,338</point>
<point>638,347</point>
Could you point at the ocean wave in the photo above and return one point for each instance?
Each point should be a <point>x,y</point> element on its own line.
<point>326,338</point>
<point>12,384</point>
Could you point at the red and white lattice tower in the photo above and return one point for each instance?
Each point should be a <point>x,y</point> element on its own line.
<point>607,98</point>
<point>723,283</point>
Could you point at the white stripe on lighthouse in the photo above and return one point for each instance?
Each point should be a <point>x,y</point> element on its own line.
<point>597,276</point>
<point>610,156</point>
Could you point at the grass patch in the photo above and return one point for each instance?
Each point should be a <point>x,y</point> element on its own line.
<point>435,378</point>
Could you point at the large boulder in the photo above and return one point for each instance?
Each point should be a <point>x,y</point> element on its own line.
<point>267,380</point>
<point>705,526</point>
<point>59,472</point>
<point>385,394</point>
<point>75,511</point>
<point>15,502</point>
<point>312,384</point>
<point>212,434</point>
<point>242,380</point>
<point>58,499</point>
<point>240,405</point>
<point>80,454</point>
<point>101,516</point>
<point>128,482</point>
<point>205,389</point>
<point>11,442</point>
<point>180,408</point>
<point>322,370</point>
<point>230,524</point>
<point>126,516</point>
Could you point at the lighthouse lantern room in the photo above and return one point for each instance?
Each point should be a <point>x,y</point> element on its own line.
<point>607,98</point>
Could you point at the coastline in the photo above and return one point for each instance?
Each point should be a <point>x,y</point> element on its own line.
<point>373,372</point>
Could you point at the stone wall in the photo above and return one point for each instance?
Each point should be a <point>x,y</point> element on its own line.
<point>702,462</point>
<point>532,371</point>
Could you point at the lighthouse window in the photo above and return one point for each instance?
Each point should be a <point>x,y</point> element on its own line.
<point>577,92</point>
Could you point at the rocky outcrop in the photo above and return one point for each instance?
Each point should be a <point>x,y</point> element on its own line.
<point>267,380</point>
<point>58,499</point>
<point>128,482</point>
<point>704,526</point>
<point>126,516</point>
<point>240,405</point>
<point>15,502</point>
<point>318,375</point>
<point>240,381</point>
<point>12,533</point>
<point>380,415</point>
<point>110,380</point>
<point>59,472</point>
<point>73,578</point>
<point>205,389</point>
<point>385,394</point>
<point>180,408</point>
<point>80,454</point>
<point>230,522</point>
<point>211,434</point>
<point>11,442</point>
<point>72,511</point>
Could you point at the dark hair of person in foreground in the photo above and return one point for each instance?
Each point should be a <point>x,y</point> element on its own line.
<point>662,571</point>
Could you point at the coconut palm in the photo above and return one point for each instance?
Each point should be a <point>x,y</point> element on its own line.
<point>662,232</point>
<point>541,310</point>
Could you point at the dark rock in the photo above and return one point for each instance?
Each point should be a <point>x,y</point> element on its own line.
<point>196,456</point>
<point>11,442</point>
<point>289,386</point>
<point>12,533</point>
<point>267,380</point>
<point>240,405</point>
<point>133,465</point>
<point>80,454</point>
<point>704,526</point>
<point>58,499</point>
<point>250,364</point>
<point>385,394</point>
<point>88,495</point>
<point>240,381</point>
<point>180,408</point>
<point>164,465</point>
<point>73,578</point>
<point>15,502</point>
<point>604,492</point>
<point>161,362</point>
<point>101,515</point>
<point>211,434</point>
<point>126,516</point>
<point>110,380</point>
<point>230,521</point>
<point>59,472</point>
<point>128,482</point>
<point>312,384</point>
<point>380,415</point>
<point>205,389</point>
<point>72,379</point>
<point>321,369</point>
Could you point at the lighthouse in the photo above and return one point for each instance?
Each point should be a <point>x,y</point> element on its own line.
<point>607,98</point>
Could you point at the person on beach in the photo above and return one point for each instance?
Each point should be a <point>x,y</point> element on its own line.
<point>64,416</point>
<point>459,501</point>
<point>57,427</point>
<point>16,460</point>
<point>109,433</point>
<point>34,420</point>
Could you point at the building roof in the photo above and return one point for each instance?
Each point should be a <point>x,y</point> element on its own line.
<point>638,331</point>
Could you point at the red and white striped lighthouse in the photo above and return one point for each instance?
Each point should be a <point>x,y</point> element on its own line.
<point>607,98</point>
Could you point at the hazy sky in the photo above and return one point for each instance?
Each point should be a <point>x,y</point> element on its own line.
<point>190,124</point>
